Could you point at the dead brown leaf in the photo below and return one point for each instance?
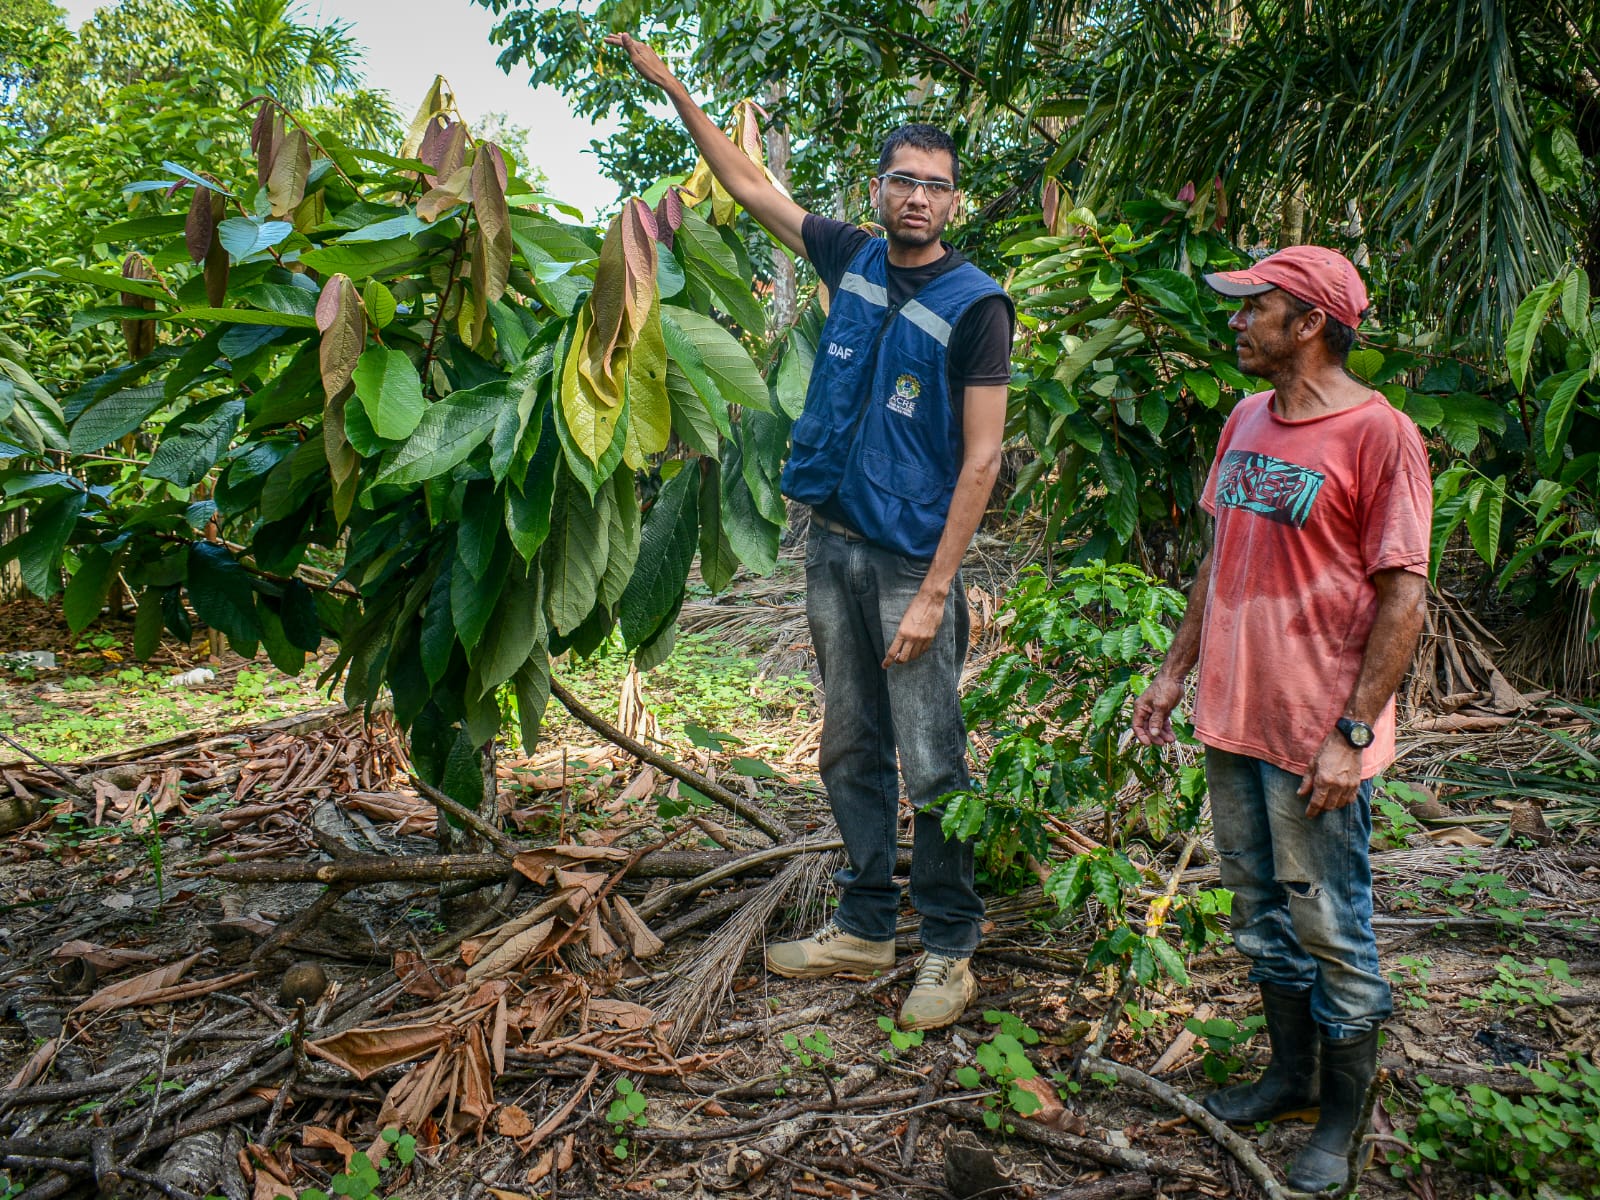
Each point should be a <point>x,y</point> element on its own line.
<point>1457,835</point>
<point>363,1052</point>
<point>511,1121</point>
<point>137,990</point>
<point>327,1139</point>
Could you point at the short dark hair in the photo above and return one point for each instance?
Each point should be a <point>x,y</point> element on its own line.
<point>1338,337</point>
<point>919,137</point>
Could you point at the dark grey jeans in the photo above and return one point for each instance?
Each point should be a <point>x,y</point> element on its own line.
<point>856,594</point>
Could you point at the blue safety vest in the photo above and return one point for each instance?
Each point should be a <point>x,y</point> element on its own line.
<point>879,435</point>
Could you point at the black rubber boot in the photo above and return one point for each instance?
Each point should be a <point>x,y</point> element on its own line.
<point>1288,1087</point>
<point>1348,1065</point>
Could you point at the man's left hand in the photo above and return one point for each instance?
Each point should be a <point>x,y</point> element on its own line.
<point>1334,777</point>
<point>917,630</point>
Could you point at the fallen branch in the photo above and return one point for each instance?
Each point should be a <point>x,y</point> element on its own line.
<point>1081,1148</point>
<point>1265,1178</point>
<point>71,784</point>
<point>745,810</point>
<point>441,868</point>
<point>1113,1187</point>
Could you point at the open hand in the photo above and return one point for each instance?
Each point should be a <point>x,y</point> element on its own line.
<point>644,59</point>
<point>1334,777</point>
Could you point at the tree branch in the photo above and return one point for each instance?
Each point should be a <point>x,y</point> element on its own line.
<point>746,810</point>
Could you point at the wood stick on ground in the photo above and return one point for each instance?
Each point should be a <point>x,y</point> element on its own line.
<point>442,868</point>
<point>1082,1149</point>
<point>554,1121</point>
<point>309,916</point>
<point>67,781</point>
<point>1112,1187</point>
<point>1264,1176</point>
<point>928,1091</point>
<point>467,817</point>
<point>745,810</point>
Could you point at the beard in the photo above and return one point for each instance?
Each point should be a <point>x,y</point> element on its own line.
<point>914,236</point>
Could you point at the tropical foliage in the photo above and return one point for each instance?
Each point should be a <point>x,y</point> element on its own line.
<point>398,358</point>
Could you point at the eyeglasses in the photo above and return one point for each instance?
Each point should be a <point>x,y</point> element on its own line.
<point>903,187</point>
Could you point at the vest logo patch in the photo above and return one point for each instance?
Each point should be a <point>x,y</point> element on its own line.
<point>904,400</point>
<point>842,353</point>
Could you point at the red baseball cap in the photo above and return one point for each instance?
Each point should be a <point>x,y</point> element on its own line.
<point>1321,277</point>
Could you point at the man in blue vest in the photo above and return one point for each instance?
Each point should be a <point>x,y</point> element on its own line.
<point>896,455</point>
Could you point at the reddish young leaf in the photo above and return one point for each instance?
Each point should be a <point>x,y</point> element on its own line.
<point>639,259</point>
<point>437,101</point>
<point>431,151</point>
<point>1052,203</point>
<point>491,259</point>
<point>291,164</point>
<point>265,135</point>
<point>748,130</point>
<point>217,261</point>
<point>344,331</point>
<point>669,215</point>
<point>607,307</point>
<point>452,153</point>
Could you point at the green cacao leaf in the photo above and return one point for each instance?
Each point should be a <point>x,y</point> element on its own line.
<point>574,556</point>
<point>449,430</point>
<point>666,552</point>
<point>220,590</point>
<point>390,390</point>
<point>86,590</point>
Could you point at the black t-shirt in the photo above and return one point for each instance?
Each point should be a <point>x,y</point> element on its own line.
<point>980,345</point>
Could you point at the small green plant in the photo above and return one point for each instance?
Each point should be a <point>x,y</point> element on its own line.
<point>1412,972</point>
<point>362,1178</point>
<point>812,1052</point>
<point>1392,822</point>
<point>1472,893</point>
<point>1223,1039</point>
<point>1545,1145</point>
<point>900,1040</point>
<point>626,1111</point>
<point>1004,1060</point>
<point>1141,1021</point>
<point>1518,986</point>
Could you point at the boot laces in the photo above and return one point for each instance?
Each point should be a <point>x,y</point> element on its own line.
<point>934,971</point>
<point>828,933</point>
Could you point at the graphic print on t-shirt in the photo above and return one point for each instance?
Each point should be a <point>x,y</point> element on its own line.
<point>1277,490</point>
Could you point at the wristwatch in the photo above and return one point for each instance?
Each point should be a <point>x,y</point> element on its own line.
<point>1357,733</point>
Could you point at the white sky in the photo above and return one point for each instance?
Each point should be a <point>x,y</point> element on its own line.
<point>410,41</point>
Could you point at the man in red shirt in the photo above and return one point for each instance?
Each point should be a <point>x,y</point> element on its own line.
<point>1303,619</point>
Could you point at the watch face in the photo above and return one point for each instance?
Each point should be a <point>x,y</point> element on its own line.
<point>1359,735</point>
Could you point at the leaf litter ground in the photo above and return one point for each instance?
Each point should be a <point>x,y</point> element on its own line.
<point>175,1024</point>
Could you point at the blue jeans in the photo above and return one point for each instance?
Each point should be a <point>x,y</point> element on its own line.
<point>1302,890</point>
<point>856,594</point>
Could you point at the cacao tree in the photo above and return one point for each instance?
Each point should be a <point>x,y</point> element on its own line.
<point>390,397</point>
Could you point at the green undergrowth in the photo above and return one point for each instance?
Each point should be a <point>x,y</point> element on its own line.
<point>99,701</point>
<point>705,682</point>
<point>98,704</point>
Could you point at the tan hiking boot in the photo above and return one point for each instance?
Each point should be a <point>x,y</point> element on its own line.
<point>944,988</point>
<point>829,951</point>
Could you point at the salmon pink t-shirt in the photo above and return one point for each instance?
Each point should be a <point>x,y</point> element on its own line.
<point>1306,512</point>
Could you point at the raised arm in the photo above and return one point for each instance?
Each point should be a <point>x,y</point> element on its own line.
<point>777,214</point>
